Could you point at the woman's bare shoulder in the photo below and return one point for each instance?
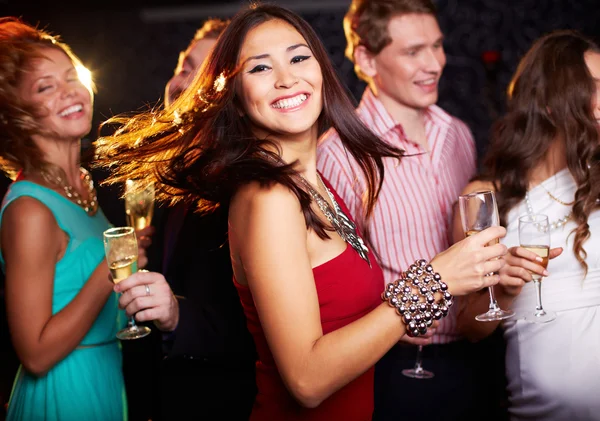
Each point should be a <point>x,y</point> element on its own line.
<point>256,194</point>
<point>30,212</point>
<point>274,202</point>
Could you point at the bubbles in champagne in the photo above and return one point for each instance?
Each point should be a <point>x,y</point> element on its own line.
<point>123,268</point>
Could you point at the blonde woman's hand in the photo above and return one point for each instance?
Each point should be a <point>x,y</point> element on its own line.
<point>466,265</point>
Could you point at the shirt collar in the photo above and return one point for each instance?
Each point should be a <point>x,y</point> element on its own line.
<point>379,120</point>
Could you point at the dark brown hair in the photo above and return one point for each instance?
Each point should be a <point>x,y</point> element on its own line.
<point>20,44</point>
<point>366,23</point>
<point>199,148</point>
<point>549,100</point>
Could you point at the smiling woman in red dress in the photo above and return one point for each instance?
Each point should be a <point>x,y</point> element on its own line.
<point>245,136</point>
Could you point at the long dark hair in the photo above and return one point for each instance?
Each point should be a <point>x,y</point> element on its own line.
<point>549,99</point>
<point>200,150</point>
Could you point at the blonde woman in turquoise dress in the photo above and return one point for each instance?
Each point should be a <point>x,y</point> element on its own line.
<point>61,308</point>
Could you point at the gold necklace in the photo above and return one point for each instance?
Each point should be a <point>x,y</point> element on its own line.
<point>89,205</point>
<point>556,199</point>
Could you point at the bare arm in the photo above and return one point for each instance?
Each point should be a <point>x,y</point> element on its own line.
<point>517,270</point>
<point>275,263</point>
<point>273,258</point>
<point>32,243</point>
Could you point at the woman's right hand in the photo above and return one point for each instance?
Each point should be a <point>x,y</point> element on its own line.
<point>464,265</point>
<point>520,263</point>
<point>148,296</point>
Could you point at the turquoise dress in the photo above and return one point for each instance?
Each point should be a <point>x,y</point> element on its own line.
<point>87,385</point>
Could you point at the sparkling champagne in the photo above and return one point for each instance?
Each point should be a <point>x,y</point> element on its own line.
<point>140,217</point>
<point>541,251</point>
<point>123,268</point>
<point>139,204</point>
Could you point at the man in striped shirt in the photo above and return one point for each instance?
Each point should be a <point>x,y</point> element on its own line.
<point>396,46</point>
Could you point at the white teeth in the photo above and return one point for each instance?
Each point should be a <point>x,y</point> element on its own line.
<point>72,109</point>
<point>290,102</point>
<point>427,82</point>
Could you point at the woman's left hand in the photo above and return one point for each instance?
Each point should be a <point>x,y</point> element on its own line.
<point>148,296</point>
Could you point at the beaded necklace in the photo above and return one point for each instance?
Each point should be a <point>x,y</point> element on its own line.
<point>89,205</point>
<point>554,224</point>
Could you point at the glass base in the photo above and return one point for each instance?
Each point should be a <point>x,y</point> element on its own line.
<point>417,373</point>
<point>495,315</point>
<point>133,332</point>
<point>542,316</point>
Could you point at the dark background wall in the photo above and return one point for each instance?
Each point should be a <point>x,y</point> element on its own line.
<point>132,49</point>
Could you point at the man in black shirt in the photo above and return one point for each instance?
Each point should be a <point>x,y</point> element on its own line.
<point>208,369</point>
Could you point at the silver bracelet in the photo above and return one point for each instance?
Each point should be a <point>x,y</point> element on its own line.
<point>413,297</point>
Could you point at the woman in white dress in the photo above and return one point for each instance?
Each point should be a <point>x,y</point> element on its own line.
<point>544,157</point>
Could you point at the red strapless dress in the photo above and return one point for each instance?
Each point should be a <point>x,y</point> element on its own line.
<point>347,289</point>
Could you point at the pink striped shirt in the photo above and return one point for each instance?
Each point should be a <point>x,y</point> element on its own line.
<point>412,217</point>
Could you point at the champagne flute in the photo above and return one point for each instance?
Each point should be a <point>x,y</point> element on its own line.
<point>139,203</point>
<point>418,372</point>
<point>121,250</point>
<point>478,211</point>
<point>534,235</point>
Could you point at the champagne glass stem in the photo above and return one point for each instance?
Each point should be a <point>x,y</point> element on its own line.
<point>419,361</point>
<point>131,323</point>
<point>418,372</point>
<point>493,303</point>
<point>540,315</point>
<point>538,292</point>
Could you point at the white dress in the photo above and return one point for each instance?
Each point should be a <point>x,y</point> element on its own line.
<point>553,369</point>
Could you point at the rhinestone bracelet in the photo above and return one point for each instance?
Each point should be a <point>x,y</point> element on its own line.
<point>413,297</point>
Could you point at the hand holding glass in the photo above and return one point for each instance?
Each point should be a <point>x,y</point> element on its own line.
<point>121,250</point>
<point>139,203</point>
<point>478,211</point>
<point>534,235</point>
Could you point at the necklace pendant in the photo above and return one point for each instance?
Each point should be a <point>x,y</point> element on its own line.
<point>343,225</point>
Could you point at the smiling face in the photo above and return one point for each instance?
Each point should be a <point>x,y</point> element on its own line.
<point>54,89</point>
<point>407,71</point>
<point>592,60</point>
<point>280,82</point>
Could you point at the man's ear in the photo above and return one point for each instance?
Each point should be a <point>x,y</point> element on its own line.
<point>365,61</point>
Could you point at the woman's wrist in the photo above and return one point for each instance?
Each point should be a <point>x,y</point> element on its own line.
<point>419,297</point>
